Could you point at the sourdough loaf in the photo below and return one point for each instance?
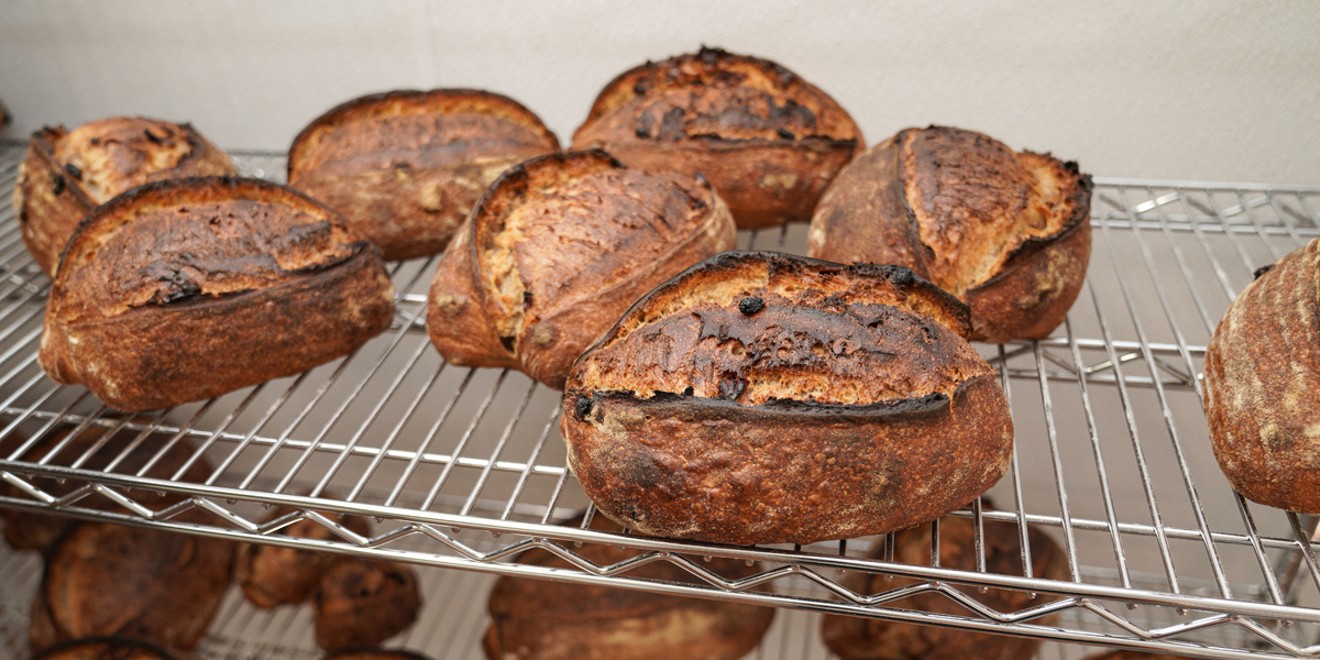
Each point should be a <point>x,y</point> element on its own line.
<point>1262,375</point>
<point>405,168</point>
<point>183,290</point>
<point>1006,232</point>
<point>556,250</point>
<point>66,174</point>
<point>769,141</point>
<point>764,398</point>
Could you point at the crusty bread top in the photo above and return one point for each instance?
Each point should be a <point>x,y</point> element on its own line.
<point>715,95</point>
<point>763,328</point>
<point>436,127</point>
<point>979,204</point>
<point>171,241</point>
<point>108,156</point>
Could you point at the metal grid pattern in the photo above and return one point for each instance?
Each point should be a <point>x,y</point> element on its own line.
<point>464,468</point>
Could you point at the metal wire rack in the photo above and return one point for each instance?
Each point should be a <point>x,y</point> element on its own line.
<point>463,468</point>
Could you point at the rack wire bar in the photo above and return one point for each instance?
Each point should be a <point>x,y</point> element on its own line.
<point>463,468</point>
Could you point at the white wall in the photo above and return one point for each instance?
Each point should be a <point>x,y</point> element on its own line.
<point>1188,90</point>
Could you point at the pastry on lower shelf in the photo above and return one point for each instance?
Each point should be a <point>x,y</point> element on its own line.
<point>363,603</point>
<point>1007,232</point>
<point>66,174</point>
<point>104,648</point>
<point>114,580</point>
<point>545,620</point>
<point>184,290</point>
<point>765,398</point>
<point>556,250</point>
<point>874,639</point>
<point>769,141</point>
<point>406,167</point>
<point>375,654</point>
<point>272,575</point>
<point>1262,375</point>
<point>27,530</point>
<point>1132,655</point>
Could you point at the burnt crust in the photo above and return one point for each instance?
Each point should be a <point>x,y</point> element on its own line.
<point>54,193</point>
<point>405,167</point>
<point>803,422</point>
<point>1262,372</point>
<point>1007,232</point>
<point>769,141</point>
<point>550,620</point>
<point>149,278</point>
<point>555,250</point>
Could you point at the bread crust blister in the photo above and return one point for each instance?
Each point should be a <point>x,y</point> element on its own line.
<point>769,141</point>
<point>184,290</point>
<point>765,398</point>
<point>1006,232</point>
<point>405,168</point>
<point>556,250</point>
<point>65,174</point>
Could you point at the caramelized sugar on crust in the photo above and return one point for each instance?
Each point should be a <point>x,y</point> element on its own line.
<point>763,398</point>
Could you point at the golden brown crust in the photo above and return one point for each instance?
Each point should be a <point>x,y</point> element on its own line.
<point>405,167</point>
<point>184,290</point>
<point>363,603</point>
<point>104,648</point>
<point>1262,372</point>
<point>1007,232</point>
<point>739,403</point>
<point>857,638</point>
<point>272,575</point>
<point>68,173</point>
<point>549,620</point>
<point>112,580</point>
<point>768,141</point>
<point>556,250</point>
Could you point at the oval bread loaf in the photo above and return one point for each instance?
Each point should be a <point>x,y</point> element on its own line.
<point>769,141</point>
<point>764,398</point>
<point>1006,232</point>
<point>405,168</point>
<point>1262,376</point>
<point>66,174</point>
<point>556,250</point>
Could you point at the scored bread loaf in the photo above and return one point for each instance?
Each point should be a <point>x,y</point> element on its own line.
<point>1006,232</point>
<point>765,398</point>
<point>405,167</point>
<point>767,140</point>
<point>543,620</point>
<point>1262,375</point>
<point>272,575</point>
<point>556,250</point>
<point>183,290</point>
<point>66,174</point>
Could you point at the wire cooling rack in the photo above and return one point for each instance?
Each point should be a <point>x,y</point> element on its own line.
<point>464,468</point>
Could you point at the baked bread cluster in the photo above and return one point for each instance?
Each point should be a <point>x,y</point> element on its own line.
<point>272,575</point>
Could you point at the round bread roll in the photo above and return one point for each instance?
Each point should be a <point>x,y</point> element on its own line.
<point>363,603</point>
<point>406,167</point>
<point>66,174</point>
<point>855,638</point>
<point>1262,373</point>
<point>104,648</point>
<point>184,290</point>
<point>765,398</point>
<point>545,620</point>
<point>272,575</point>
<point>769,141</point>
<point>1006,232</point>
<point>556,250</point>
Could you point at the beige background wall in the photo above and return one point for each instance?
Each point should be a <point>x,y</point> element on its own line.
<point>1189,90</point>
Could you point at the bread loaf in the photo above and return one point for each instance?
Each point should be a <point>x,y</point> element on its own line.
<point>362,603</point>
<point>104,648</point>
<point>1132,655</point>
<point>556,250</point>
<point>272,575</point>
<point>543,620</point>
<point>764,398</point>
<point>1006,232</point>
<point>405,168</point>
<point>184,290</point>
<point>66,174</point>
<point>1262,375</point>
<point>375,654</point>
<point>854,638</point>
<point>769,141</point>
